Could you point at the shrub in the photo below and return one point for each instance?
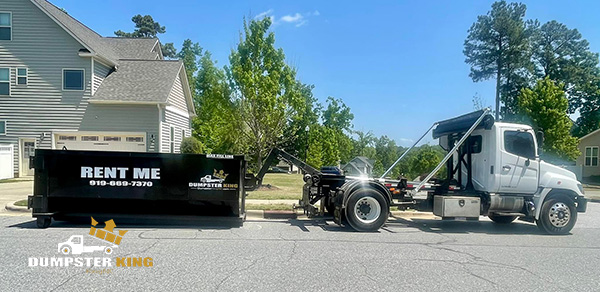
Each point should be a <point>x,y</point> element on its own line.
<point>191,145</point>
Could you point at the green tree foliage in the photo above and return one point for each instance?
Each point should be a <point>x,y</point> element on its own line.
<point>562,55</point>
<point>191,145</point>
<point>420,160</point>
<point>337,115</point>
<point>189,54</point>
<point>545,106</point>
<point>497,46</point>
<point>295,139</point>
<point>146,27</point>
<point>264,86</point>
<point>217,124</point>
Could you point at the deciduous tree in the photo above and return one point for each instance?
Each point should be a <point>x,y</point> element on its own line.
<point>545,107</point>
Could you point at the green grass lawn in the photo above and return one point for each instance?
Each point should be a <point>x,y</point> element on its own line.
<point>289,187</point>
<point>270,207</point>
<point>9,180</point>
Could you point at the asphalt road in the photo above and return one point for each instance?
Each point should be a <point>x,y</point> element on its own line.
<point>315,255</point>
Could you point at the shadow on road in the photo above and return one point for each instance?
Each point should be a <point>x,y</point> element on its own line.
<point>439,226</point>
<point>143,223</point>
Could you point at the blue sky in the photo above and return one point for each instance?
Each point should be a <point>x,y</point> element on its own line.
<point>398,64</point>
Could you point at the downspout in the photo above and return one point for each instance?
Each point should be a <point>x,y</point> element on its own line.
<point>159,135</point>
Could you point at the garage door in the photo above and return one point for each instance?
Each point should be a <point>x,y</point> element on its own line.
<point>134,142</point>
<point>6,161</point>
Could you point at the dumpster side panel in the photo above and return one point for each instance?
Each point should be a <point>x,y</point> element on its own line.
<point>139,183</point>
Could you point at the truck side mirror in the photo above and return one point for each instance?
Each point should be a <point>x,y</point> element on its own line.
<point>539,136</point>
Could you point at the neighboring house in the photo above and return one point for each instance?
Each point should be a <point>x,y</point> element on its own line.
<point>359,166</point>
<point>287,167</point>
<point>588,160</point>
<point>63,85</point>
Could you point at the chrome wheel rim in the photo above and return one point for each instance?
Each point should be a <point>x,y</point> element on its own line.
<point>559,214</point>
<point>367,210</point>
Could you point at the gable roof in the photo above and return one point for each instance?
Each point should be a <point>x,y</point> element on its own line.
<point>88,38</point>
<point>364,159</point>
<point>589,135</point>
<point>140,81</point>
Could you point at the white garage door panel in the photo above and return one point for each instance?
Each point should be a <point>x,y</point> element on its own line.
<point>6,161</point>
<point>101,142</point>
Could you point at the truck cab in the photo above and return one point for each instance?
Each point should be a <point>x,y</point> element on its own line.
<point>500,163</point>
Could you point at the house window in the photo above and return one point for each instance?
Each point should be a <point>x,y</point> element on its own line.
<point>172,140</point>
<point>89,138</point>
<point>67,138</point>
<point>22,76</point>
<point>5,26</point>
<point>4,81</point>
<point>73,79</point>
<point>2,128</point>
<point>591,156</point>
<point>134,139</point>
<point>109,138</point>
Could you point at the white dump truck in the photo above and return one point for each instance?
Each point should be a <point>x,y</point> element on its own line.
<point>492,169</point>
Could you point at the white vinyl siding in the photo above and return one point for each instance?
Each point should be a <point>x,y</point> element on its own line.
<point>181,126</point>
<point>100,73</point>
<point>591,156</point>
<point>177,97</point>
<point>5,26</point>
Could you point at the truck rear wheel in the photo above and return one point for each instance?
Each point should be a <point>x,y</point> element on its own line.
<point>557,216</point>
<point>502,219</point>
<point>43,222</point>
<point>367,210</point>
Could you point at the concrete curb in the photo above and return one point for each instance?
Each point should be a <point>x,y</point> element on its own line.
<point>262,214</point>
<point>12,207</point>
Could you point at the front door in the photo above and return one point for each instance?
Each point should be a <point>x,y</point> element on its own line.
<point>27,150</point>
<point>520,167</point>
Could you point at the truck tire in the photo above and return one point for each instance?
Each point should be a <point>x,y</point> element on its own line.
<point>367,210</point>
<point>65,249</point>
<point>499,219</point>
<point>43,222</point>
<point>558,215</point>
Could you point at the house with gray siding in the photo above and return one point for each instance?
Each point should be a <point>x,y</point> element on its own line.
<point>359,166</point>
<point>62,85</point>
<point>589,146</point>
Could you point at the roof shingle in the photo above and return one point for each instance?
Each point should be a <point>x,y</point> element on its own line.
<point>139,81</point>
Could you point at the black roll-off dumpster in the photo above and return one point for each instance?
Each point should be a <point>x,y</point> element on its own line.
<point>82,183</point>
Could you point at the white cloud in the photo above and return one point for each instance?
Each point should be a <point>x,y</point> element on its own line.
<point>263,14</point>
<point>292,18</point>
<point>297,19</point>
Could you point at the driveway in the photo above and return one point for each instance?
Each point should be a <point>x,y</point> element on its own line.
<point>11,192</point>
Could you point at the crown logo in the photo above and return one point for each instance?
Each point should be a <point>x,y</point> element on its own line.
<point>220,174</point>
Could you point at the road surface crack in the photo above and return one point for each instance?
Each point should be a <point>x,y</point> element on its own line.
<point>248,267</point>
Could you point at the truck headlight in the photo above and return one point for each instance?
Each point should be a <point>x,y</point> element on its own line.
<point>580,187</point>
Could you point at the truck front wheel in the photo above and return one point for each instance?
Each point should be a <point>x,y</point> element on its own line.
<point>367,210</point>
<point>557,216</point>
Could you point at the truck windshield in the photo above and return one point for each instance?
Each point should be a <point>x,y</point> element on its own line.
<point>519,143</point>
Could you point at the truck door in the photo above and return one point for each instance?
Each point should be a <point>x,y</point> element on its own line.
<point>520,166</point>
